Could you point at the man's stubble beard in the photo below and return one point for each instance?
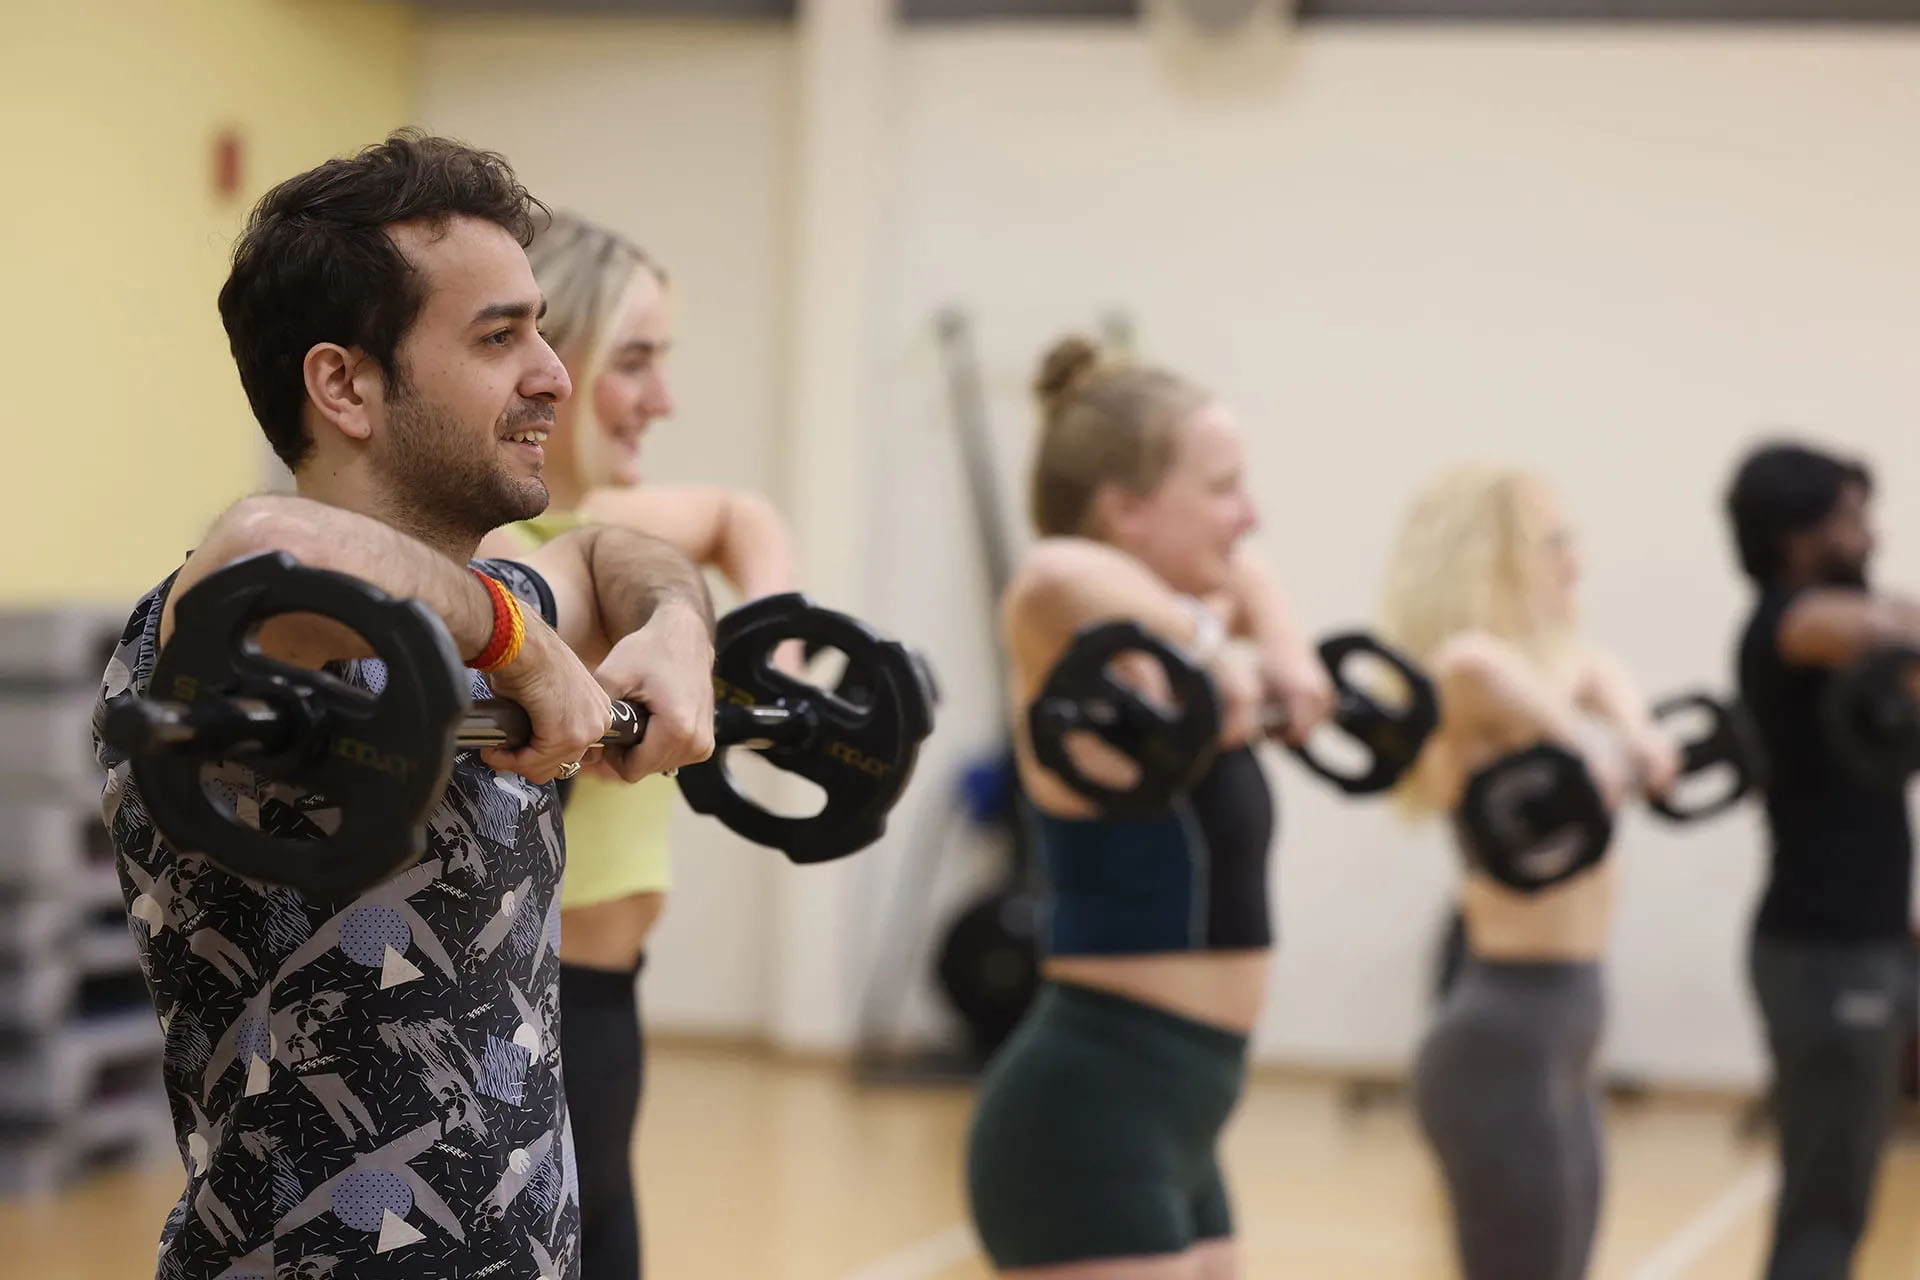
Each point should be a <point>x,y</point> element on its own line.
<point>445,489</point>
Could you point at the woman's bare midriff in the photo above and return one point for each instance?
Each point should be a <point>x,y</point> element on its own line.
<point>1223,989</point>
<point>609,935</point>
<point>1569,922</point>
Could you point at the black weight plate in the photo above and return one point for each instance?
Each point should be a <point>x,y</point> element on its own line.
<point>1728,743</point>
<point>861,754</point>
<point>849,685</point>
<point>1171,751</point>
<point>1534,818</point>
<point>382,760</point>
<point>1871,719</point>
<point>989,966</point>
<point>1393,736</point>
<point>929,682</point>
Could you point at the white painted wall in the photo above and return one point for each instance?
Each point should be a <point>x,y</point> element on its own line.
<point>1610,254</point>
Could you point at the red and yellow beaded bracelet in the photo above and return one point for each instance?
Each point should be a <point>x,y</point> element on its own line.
<point>509,628</point>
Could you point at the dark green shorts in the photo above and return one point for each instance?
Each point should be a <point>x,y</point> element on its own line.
<point>1094,1132</point>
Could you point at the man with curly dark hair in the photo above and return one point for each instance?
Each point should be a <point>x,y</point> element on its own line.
<point>371,1085</point>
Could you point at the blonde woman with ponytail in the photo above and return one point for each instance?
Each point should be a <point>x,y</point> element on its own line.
<point>1482,589</point>
<point>609,316</point>
<point>1091,1155</point>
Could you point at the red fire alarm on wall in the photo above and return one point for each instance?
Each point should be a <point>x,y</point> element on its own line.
<point>227,155</point>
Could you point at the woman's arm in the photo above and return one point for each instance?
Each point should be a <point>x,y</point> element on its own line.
<point>1490,691</point>
<point>1066,583</point>
<point>1609,692</point>
<point>734,531</point>
<point>1606,690</point>
<point>1290,672</point>
<point>1488,688</point>
<point>1258,610</point>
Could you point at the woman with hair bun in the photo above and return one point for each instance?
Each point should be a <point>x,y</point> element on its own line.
<point>1092,1149</point>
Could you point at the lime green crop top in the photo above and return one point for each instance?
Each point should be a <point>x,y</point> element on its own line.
<point>616,832</point>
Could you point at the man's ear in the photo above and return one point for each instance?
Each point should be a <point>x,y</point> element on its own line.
<point>346,388</point>
<point>1797,550</point>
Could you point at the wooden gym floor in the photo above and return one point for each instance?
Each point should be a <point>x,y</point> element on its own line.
<point>758,1169</point>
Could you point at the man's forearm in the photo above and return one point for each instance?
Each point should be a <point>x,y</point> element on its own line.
<point>328,537</point>
<point>1831,627</point>
<point>636,575</point>
<point>1903,619</point>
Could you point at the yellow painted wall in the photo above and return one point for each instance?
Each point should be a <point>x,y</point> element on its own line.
<point>125,423</point>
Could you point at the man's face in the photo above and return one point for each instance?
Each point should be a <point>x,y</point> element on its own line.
<point>476,384</point>
<point>1845,540</point>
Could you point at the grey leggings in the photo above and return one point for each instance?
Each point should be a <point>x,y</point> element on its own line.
<point>1507,1094</point>
<point>1837,1017</point>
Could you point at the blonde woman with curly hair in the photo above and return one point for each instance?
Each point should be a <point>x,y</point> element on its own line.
<point>610,318</point>
<point>1482,588</point>
<point>1091,1155</point>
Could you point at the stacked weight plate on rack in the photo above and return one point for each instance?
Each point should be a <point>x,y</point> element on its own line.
<point>79,1045</point>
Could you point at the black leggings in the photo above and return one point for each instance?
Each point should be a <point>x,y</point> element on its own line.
<point>603,1054</point>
